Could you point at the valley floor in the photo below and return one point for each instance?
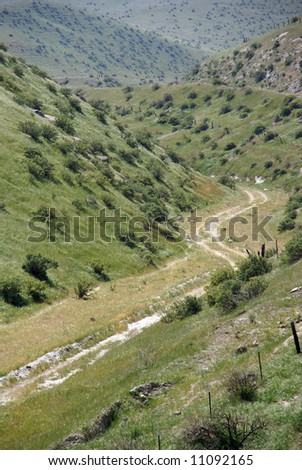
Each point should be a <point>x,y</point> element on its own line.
<point>65,342</point>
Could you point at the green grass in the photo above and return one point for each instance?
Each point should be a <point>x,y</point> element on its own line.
<point>203,354</point>
<point>247,159</point>
<point>79,195</point>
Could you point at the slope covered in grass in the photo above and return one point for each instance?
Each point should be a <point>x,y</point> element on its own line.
<point>244,133</point>
<point>59,153</point>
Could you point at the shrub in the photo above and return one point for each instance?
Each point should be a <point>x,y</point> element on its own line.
<point>293,249</point>
<point>38,165</point>
<point>270,136</point>
<point>82,289</point>
<point>73,165</point>
<point>36,290</point>
<point>3,47</point>
<point>230,146</point>
<point>259,75</point>
<point>226,181</point>
<point>191,305</point>
<point>230,95</point>
<point>243,385</point>
<point>19,71</point>
<point>286,224</point>
<point>65,124</point>
<point>259,129</point>
<point>226,431</point>
<point>99,270</point>
<point>144,138</point>
<point>37,266</point>
<point>75,103</point>
<point>31,128</point>
<point>12,292</point>
<point>221,275</point>
<point>37,71</point>
<point>254,287</point>
<point>298,134</point>
<point>109,201</point>
<point>252,267</point>
<point>225,109</point>
<point>268,164</point>
<point>127,237</point>
<point>192,95</point>
<point>49,132</point>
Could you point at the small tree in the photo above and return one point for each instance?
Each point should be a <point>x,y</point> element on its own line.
<point>37,266</point>
<point>82,288</point>
<point>31,128</point>
<point>12,292</point>
<point>228,431</point>
<point>191,305</point>
<point>100,270</point>
<point>36,290</point>
<point>293,249</point>
<point>253,266</point>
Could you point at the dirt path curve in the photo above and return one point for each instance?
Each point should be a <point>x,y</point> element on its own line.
<point>211,237</point>
<point>14,383</point>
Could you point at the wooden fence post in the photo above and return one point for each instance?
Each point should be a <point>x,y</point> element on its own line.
<point>296,339</point>
<point>260,365</point>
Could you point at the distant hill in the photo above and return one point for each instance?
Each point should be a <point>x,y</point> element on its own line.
<point>271,61</point>
<point>76,46</point>
<point>106,43</point>
<point>206,25</point>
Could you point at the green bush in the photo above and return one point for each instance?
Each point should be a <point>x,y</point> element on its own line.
<point>19,71</point>
<point>37,266</point>
<point>65,124</point>
<point>298,134</point>
<point>31,128</point>
<point>221,275</point>
<point>226,181</point>
<point>254,287</point>
<point>225,109</point>
<point>38,165</point>
<point>49,132</point>
<point>36,290</point>
<point>230,146</point>
<point>12,292</point>
<point>252,267</point>
<point>243,385</point>
<point>191,305</point>
<point>293,249</point>
<point>286,224</point>
<point>99,270</point>
<point>75,103</point>
<point>82,288</point>
<point>270,136</point>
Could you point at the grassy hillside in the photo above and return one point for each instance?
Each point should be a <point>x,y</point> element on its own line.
<point>272,61</point>
<point>247,134</point>
<point>59,164</point>
<point>78,46</point>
